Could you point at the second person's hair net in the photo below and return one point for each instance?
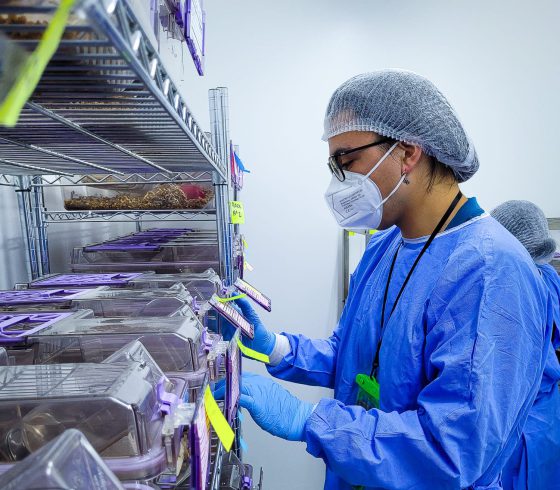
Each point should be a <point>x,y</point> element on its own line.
<point>527,222</point>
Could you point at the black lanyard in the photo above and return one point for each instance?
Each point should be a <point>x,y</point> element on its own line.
<point>437,229</point>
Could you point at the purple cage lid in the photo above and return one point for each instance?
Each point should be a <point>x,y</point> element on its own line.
<point>87,280</point>
<point>126,245</point>
<point>195,32</point>
<point>148,243</point>
<point>144,240</point>
<point>39,296</point>
<point>17,327</point>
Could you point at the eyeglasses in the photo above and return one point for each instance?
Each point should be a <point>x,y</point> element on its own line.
<point>334,160</point>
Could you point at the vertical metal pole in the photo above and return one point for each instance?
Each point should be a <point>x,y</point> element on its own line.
<point>219,126</point>
<point>219,122</point>
<point>41,227</point>
<point>235,192</point>
<point>220,222</point>
<point>23,190</point>
<point>236,265</point>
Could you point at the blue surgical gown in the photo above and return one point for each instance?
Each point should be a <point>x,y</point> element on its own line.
<point>460,364</point>
<point>535,463</point>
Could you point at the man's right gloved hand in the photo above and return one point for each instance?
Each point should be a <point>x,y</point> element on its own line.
<point>264,340</point>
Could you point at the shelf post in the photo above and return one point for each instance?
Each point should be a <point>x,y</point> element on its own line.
<point>219,125</point>
<point>23,191</point>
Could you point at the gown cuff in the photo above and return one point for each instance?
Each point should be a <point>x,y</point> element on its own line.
<point>281,349</point>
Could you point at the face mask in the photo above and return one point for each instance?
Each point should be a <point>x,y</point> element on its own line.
<point>357,203</point>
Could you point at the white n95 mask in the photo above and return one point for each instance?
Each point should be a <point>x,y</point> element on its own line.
<point>357,203</point>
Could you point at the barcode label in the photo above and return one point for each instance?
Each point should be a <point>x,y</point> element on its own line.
<point>233,380</point>
<point>233,316</point>
<point>254,294</point>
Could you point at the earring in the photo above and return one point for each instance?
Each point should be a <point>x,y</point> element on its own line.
<point>406,181</point>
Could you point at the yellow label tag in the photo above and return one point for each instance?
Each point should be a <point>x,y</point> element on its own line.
<point>233,298</point>
<point>35,65</point>
<point>373,232</point>
<point>237,212</point>
<point>253,354</point>
<point>244,243</point>
<point>351,233</point>
<point>217,419</point>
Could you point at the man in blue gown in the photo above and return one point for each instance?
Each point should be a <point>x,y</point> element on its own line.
<point>447,319</point>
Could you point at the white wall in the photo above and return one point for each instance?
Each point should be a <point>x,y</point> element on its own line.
<point>496,61</point>
<point>12,252</point>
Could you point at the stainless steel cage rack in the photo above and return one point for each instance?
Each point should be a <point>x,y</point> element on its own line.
<point>107,112</point>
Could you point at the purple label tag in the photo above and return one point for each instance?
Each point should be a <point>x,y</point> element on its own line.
<point>233,316</point>
<point>254,294</point>
<point>201,448</point>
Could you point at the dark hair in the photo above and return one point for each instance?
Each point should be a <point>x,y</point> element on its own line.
<point>438,172</point>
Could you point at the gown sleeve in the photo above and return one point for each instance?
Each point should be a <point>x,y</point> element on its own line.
<point>312,361</point>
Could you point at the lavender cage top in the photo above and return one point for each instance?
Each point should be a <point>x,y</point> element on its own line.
<point>89,280</point>
<point>144,240</point>
<point>15,327</point>
<point>39,296</point>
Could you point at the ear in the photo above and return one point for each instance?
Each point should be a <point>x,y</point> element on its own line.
<point>411,155</point>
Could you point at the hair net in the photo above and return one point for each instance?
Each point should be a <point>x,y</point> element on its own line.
<point>406,107</point>
<point>526,222</point>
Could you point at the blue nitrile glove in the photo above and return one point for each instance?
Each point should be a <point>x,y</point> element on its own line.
<point>220,390</point>
<point>264,340</point>
<point>273,408</point>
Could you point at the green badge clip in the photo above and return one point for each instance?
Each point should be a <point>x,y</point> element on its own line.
<point>368,393</point>
<point>368,397</point>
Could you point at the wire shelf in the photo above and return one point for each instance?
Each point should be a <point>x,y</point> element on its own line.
<point>7,180</point>
<point>105,103</point>
<point>107,180</point>
<point>129,215</point>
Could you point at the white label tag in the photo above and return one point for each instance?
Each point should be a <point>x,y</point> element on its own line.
<point>254,294</point>
<point>233,316</point>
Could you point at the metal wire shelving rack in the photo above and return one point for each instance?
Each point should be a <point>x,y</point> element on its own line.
<point>106,112</point>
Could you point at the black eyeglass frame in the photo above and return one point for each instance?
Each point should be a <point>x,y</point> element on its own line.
<point>334,163</point>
